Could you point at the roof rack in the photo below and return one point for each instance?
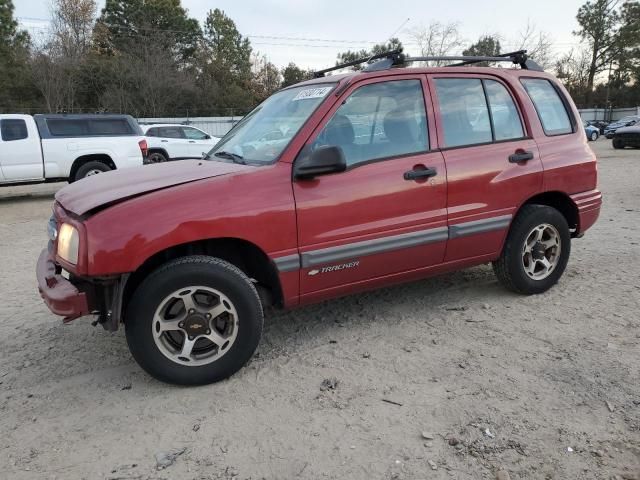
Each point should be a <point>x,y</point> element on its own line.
<point>395,55</point>
<point>396,58</point>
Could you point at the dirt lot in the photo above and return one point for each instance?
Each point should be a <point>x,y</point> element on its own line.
<point>542,387</point>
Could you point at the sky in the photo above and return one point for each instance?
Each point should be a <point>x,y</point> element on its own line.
<point>312,32</point>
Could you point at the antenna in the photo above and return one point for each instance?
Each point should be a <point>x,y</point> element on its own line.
<point>392,35</point>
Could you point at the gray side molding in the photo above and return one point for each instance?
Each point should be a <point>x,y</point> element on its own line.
<point>370,247</point>
<point>479,226</point>
<point>288,263</point>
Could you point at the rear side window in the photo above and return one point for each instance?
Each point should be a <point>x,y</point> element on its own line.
<point>504,114</point>
<point>62,127</point>
<point>152,132</point>
<point>551,111</point>
<point>464,112</point>
<point>13,130</point>
<point>170,132</point>
<point>110,126</point>
<point>67,127</point>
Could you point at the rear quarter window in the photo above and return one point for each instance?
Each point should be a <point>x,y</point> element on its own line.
<point>13,129</point>
<point>549,106</point>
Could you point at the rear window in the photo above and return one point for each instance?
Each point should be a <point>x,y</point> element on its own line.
<point>13,129</point>
<point>551,110</point>
<point>66,127</point>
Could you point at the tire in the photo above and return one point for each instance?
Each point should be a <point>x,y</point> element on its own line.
<point>594,136</point>
<point>157,157</point>
<point>617,143</point>
<point>159,354</point>
<point>511,267</point>
<point>90,168</point>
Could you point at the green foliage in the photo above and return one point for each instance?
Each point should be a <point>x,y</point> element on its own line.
<point>353,55</point>
<point>16,88</point>
<point>486,46</point>
<point>293,74</point>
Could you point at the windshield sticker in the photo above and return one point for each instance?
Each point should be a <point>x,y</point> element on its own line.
<point>311,93</point>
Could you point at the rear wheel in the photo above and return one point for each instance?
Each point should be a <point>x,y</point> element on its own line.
<point>195,320</point>
<point>536,251</point>
<point>594,136</point>
<point>157,157</point>
<point>89,169</point>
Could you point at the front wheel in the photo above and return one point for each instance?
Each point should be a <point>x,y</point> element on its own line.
<point>617,143</point>
<point>536,251</point>
<point>594,136</point>
<point>195,320</point>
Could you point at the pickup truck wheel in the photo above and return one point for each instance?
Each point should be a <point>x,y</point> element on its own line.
<point>90,168</point>
<point>536,251</point>
<point>195,320</point>
<point>156,157</point>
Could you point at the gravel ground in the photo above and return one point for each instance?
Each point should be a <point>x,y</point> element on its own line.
<point>450,377</point>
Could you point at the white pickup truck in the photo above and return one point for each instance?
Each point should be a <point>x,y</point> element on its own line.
<point>46,148</point>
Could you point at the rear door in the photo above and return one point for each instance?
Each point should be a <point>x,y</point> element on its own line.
<point>173,140</point>
<point>378,219</point>
<point>493,164</point>
<point>20,150</point>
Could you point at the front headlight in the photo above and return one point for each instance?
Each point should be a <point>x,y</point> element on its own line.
<point>68,243</point>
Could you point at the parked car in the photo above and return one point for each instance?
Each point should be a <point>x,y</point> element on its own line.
<point>627,137</point>
<point>600,124</point>
<point>46,148</point>
<point>176,142</point>
<point>189,254</point>
<point>591,131</point>
<point>623,122</point>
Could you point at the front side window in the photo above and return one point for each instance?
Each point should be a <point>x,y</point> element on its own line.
<point>194,133</point>
<point>464,112</point>
<point>551,111</point>
<point>379,120</point>
<point>13,129</point>
<point>262,135</point>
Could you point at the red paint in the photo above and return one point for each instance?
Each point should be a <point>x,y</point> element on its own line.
<point>151,209</point>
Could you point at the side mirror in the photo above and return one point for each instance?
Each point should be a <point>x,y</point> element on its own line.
<point>207,137</point>
<point>324,160</point>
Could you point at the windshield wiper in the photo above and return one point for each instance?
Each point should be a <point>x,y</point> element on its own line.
<point>231,156</point>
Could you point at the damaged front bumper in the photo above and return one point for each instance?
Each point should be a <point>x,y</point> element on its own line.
<point>76,298</point>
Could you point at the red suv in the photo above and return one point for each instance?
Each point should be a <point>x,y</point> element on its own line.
<point>332,186</point>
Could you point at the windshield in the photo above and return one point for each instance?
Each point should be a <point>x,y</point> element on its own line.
<point>263,134</point>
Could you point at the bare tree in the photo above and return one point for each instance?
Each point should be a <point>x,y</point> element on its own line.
<point>573,70</point>
<point>437,39</point>
<point>538,44</point>
<point>57,65</point>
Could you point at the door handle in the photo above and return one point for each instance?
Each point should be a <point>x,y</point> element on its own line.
<point>165,141</point>
<point>192,141</point>
<point>520,156</point>
<point>417,174</point>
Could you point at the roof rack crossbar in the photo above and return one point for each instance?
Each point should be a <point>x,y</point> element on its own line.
<point>396,58</point>
<point>320,73</point>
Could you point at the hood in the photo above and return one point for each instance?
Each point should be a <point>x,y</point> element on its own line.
<point>111,187</point>
<point>632,129</point>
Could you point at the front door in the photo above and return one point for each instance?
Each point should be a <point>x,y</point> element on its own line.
<point>387,213</point>
<point>493,164</point>
<point>20,150</point>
